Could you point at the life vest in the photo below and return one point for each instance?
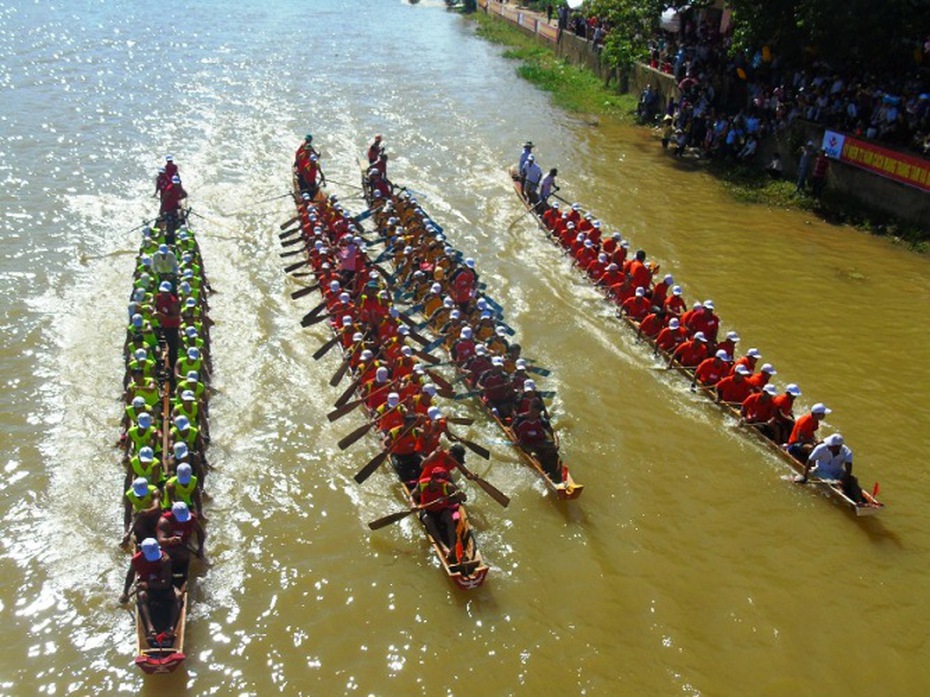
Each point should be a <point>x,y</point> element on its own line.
<point>181,492</point>
<point>139,470</point>
<point>140,503</point>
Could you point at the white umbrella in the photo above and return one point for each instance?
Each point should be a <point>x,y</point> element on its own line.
<point>574,4</point>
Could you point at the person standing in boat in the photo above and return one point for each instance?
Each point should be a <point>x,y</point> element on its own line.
<point>168,311</point>
<point>151,569</point>
<point>547,188</point>
<point>171,202</point>
<point>171,169</point>
<point>375,150</point>
<point>531,177</point>
<point>527,151</point>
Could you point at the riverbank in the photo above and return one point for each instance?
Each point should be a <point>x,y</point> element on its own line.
<point>578,90</point>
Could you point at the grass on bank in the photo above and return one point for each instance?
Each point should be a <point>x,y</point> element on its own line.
<point>572,88</point>
<point>579,90</point>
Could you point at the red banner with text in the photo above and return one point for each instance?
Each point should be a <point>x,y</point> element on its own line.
<point>907,169</point>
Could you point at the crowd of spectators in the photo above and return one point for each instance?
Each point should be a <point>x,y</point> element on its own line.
<point>730,100</point>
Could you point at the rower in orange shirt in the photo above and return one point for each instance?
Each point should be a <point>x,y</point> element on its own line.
<point>761,379</point>
<point>749,360</point>
<point>729,343</point>
<point>734,389</point>
<point>758,410</point>
<point>803,436</point>
<point>609,245</point>
<point>552,215</point>
<point>712,370</point>
<point>691,352</point>
<point>653,323</point>
<point>783,421</point>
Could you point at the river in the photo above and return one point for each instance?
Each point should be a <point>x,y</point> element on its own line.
<point>690,565</point>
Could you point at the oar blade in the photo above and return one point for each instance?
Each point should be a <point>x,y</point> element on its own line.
<point>372,465</point>
<point>354,436</point>
<point>390,519</point>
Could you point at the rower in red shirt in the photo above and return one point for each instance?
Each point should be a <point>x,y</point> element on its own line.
<point>609,245</point>
<point>462,284</point>
<point>758,409</point>
<point>803,436</point>
<point>552,215</point>
<point>712,370</point>
<point>710,323</point>
<point>464,347</point>
<point>691,352</point>
<point>374,150</point>
<point>734,388</point>
<point>660,291</point>
<point>670,337</point>
<point>639,272</point>
<point>674,303</point>
<point>611,276</point>
<point>390,415</point>
<point>653,324</point>
<point>444,460</point>
<point>171,169</point>
<point>596,268</point>
<point>638,306</point>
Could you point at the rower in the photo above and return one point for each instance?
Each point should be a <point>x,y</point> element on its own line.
<point>183,486</point>
<point>638,306</point>
<point>734,388</point>
<point>831,461</point>
<point>783,419</point>
<point>803,436</point>
<point>439,498</point>
<point>712,370</point>
<point>151,569</point>
<point>403,443</point>
<point>535,436</point>
<point>174,531</point>
<point>675,304</point>
<point>729,343</point>
<point>141,510</point>
<point>496,389</point>
<point>690,353</point>
<point>446,460</point>
<point>761,379</point>
<point>749,360</point>
<point>758,410</point>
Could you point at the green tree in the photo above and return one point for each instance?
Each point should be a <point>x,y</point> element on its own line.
<point>632,24</point>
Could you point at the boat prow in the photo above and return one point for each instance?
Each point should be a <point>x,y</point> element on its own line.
<point>158,665</point>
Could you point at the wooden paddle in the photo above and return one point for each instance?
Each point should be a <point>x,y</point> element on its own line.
<point>348,393</point>
<point>340,373</point>
<point>324,349</point>
<point>376,461</point>
<point>304,291</point>
<point>429,358</point>
<point>288,233</point>
<point>291,243</point>
<point>288,223</point>
<point>314,312</point>
<point>292,253</point>
<point>474,447</point>
<point>355,435</point>
<point>400,515</point>
<point>296,265</point>
<point>489,488</point>
<point>305,322</point>
<point>339,412</point>
<point>440,381</point>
